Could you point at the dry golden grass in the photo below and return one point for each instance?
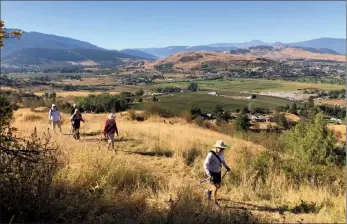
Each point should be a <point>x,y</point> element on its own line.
<point>292,117</point>
<point>87,164</point>
<point>294,53</point>
<point>332,102</point>
<point>189,60</point>
<point>339,130</point>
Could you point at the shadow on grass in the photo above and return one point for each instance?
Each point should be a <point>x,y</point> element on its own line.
<point>303,207</point>
<point>165,154</point>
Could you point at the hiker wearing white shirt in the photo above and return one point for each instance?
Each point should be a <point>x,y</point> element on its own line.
<point>213,165</point>
<point>55,117</point>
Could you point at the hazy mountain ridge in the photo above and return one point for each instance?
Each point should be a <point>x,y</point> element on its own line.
<point>41,40</point>
<point>36,48</point>
<point>321,45</point>
<point>61,57</point>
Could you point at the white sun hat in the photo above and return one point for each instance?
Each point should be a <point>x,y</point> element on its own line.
<point>111,116</point>
<point>220,144</point>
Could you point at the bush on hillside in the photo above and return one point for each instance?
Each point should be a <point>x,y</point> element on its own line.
<point>139,92</point>
<point>242,123</point>
<point>282,121</point>
<point>105,102</point>
<point>26,171</point>
<point>311,142</point>
<point>155,109</point>
<point>193,86</point>
<point>187,116</point>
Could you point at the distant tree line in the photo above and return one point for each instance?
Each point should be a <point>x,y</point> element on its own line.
<point>106,102</point>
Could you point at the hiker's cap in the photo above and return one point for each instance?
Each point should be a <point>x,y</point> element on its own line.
<point>74,105</point>
<point>111,116</point>
<point>53,105</point>
<point>220,144</point>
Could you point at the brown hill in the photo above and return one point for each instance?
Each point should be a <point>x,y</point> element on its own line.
<point>295,53</point>
<point>197,60</point>
<point>255,57</point>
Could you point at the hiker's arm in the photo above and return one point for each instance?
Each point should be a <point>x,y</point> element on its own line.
<point>225,165</point>
<point>206,162</point>
<point>59,115</point>
<point>116,129</point>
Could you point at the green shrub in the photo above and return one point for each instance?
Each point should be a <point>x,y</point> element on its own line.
<point>242,123</point>
<point>311,142</point>
<point>186,115</point>
<point>155,109</point>
<point>105,102</point>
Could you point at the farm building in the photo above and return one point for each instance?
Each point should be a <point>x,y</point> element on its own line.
<point>212,93</point>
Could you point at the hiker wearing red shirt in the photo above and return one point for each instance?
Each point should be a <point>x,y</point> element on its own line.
<point>110,129</point>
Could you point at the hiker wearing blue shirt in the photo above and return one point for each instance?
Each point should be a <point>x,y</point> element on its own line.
<point>213,165</point>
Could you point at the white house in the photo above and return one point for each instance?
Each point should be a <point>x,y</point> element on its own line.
<point>212,93</point>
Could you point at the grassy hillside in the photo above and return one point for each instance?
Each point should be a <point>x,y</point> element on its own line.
<point>156,161</point>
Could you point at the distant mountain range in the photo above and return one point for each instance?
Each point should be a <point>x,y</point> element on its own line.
<point>44,49</point>
<point>41,40</point>
<point>321,45</point>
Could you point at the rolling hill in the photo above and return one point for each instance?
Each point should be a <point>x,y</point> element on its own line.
<point>45,57</point>
<point>253,57</point>
<point>197,60</point>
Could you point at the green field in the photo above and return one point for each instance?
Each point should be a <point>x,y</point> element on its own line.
<point>183,101</point>
<point>258,85</point>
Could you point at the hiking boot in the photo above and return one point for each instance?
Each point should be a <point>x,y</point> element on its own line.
<point>208,194</point>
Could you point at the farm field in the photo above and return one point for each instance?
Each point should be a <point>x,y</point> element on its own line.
<point>255,85</point>
<point>332,102</point>
<point>177,102</point>
<point>78,93</point>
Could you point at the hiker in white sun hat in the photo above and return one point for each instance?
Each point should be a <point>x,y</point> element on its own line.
<point>213,165</point>
<point>54,117</point>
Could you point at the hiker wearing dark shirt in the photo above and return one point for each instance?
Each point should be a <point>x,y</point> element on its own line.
<point>110,129</point>
<point>72,113</point>
<point>76,119</point>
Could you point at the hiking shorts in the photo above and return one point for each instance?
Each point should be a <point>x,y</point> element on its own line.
<point>216,178</point>
<point>110,137</point>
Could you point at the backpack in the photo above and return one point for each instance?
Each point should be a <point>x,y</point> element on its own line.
<point>215,154</point>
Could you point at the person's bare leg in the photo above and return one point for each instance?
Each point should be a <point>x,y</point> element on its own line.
<point>108,146</point>
<point>53,126</point>
<point>59,125</point>
<point>213,191</point>
<point>215,194</point>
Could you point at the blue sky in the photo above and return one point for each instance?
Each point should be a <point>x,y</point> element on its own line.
<point>119,25</point>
